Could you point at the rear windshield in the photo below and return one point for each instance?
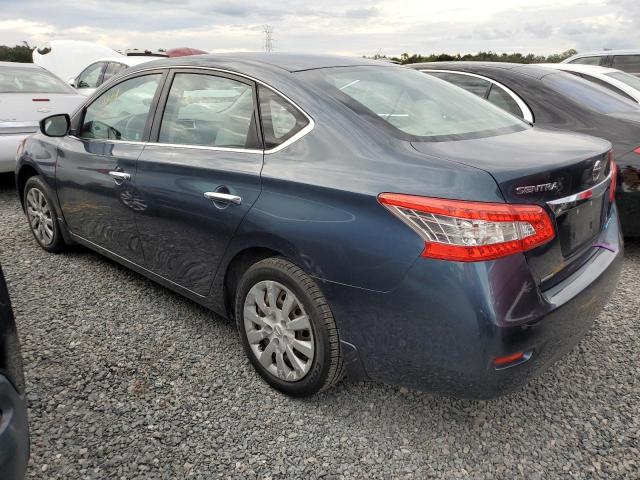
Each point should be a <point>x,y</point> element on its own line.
<point>414,106</point>
<point>631,80</point>
<point>588,94</point>
<point>30,80</point>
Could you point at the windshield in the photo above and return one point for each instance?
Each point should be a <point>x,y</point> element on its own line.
<point>588,94</point>
<point>30,80</point>
<point>414,106</point>
<point>630,80</point>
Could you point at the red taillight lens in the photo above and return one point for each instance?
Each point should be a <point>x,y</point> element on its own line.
<point>614,181</point>
<point>637,150</point>
<point>471,231</point>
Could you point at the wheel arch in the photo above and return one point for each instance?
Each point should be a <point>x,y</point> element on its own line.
<point>25,173</point>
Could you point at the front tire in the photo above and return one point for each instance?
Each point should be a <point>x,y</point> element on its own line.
<point>287,329</point>
<point>41,214</point>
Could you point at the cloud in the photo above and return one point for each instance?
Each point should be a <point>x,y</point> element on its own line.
<point>347,26</point>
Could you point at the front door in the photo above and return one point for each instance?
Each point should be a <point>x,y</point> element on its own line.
<point>200,176</point>
<point>96,167</point>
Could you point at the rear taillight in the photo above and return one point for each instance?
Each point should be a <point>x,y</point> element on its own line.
<point>637,150</point>
<point>471,231</point>
<point>614,180</point>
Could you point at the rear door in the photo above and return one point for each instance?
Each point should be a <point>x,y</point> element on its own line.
<point>96,165</point>
<point>199,175</point>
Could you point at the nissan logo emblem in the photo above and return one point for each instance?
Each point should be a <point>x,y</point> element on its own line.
<point>596,170</point>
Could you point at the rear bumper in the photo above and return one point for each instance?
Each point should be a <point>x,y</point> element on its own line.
<point>443,326</point>
<point>14,432</point>
<point>8,149</point>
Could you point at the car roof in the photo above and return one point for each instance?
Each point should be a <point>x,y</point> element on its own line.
<point>532,70</point>
<point>19,64</point>
<point>578,67</point>
<point>290,62</point>
<point>131,61</point>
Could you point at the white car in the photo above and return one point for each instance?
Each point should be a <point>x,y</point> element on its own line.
<point>28,93</point>
<point>103,69</point>
<point>625,60</point>
<point>619,82</point>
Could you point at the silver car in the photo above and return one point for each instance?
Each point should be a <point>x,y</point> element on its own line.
<point>28,93</point>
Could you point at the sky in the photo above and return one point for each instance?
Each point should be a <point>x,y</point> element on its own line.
<point>347,27</point>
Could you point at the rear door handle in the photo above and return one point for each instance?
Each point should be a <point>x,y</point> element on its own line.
<point>119,177</point>
<point>223,197</point>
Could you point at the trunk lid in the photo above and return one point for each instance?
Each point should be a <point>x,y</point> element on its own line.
<point>550,169</point>
<point>21,112</point>
<point>24,107</point>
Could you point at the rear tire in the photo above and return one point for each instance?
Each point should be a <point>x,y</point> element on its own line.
<point>287,329</point>
<point>42,217</point>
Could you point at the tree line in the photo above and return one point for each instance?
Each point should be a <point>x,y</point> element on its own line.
<point>18,53</point>
<point>405,58</point>
<point>22,53</point>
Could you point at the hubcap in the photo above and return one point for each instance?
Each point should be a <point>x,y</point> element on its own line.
<point>40,217</point>
<point>278,330</point>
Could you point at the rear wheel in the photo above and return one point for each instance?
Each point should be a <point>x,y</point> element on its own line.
<point>287,328</point>
<point>42,216</point>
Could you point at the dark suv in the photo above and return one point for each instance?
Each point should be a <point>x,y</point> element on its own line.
<point>14,430</point>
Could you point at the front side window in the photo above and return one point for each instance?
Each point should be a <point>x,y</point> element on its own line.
<point>280,119</point>
<point>413,106</point>
<point>90,77</point>
<point>588,94</point>
<point>472,84</point>
<point>211,111</point>
<point>502,99</point>
<point>627,63</point>
<point>121,112</point>
<point>586,61</point>
<point>30,80</point>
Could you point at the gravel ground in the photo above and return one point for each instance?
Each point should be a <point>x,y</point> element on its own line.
<point>129,380</point>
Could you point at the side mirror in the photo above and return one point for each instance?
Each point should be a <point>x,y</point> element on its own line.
<point>72,82</point>
<point>55,125</point>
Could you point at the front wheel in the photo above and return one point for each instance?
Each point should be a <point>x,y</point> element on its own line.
<point>287,328</point>
<point>42,215</point>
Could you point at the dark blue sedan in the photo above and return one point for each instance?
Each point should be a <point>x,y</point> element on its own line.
<point>353,216</point>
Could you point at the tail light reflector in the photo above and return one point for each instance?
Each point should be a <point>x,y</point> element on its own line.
<point>466,231</point>
<point>637,150</point>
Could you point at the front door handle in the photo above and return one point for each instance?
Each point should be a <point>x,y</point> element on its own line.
<point>119,177</point>
<point>223,197</point>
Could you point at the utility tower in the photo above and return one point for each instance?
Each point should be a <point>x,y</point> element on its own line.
<point>268,38</point>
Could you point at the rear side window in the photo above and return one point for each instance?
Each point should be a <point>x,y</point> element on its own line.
<point>113,68</point>
<point>587,61</point>
<point>121,112</point>
<point>476,85</point>
<point>588,94</point>
<point>90,77</point>
<point>502,99</point>
<point>627,63</point>
<point>280,119</point>
<point>208,110</point>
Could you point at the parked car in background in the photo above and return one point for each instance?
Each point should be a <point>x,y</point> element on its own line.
<point>184,52</point>
<point>625,60</point>
<point>14,428</point>
<point>614,80</point>
<point>28,93</point>
<point>560,101</point>
<point>67,58</point>
<point>103,69</point>
<point>350,214</point>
